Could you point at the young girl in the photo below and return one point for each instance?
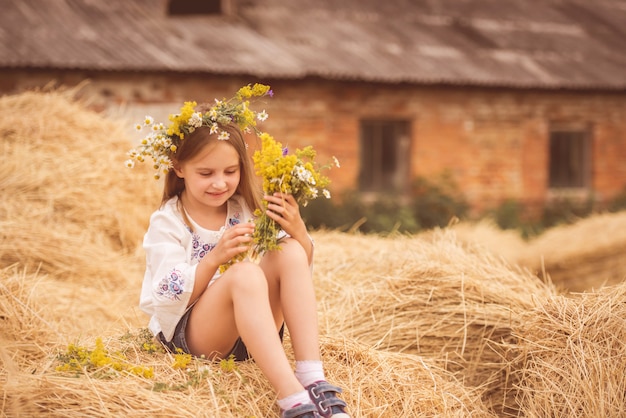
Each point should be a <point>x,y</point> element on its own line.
<point>204,221</point>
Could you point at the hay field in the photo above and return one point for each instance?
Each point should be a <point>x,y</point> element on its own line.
<point>449,323</point>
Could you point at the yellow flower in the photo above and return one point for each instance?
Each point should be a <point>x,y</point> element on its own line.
<point>98,360</point>
<point>181,360</point>
<point>257,90</point>
<point>181,119</point>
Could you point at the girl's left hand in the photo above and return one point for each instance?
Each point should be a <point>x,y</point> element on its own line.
<point>284,209</point>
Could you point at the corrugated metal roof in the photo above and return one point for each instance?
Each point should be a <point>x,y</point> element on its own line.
<point>520,43</point>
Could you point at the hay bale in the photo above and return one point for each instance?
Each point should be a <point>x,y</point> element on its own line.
<point>583,256</point>
<point>378,384</point>
<point>63,181</point>
<point>572,356</point>
<point>199,390</point>
<point>416,326</point>
<point>25,331</point>
<point>508,244</point>
<point>429,295</point>
<point>559,255</point>
<point>387,384</point>
<point>74,216</point>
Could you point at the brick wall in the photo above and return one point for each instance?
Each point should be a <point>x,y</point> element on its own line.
<point>493,142</point>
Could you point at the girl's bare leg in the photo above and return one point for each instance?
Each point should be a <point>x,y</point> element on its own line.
<point>237,304</point>
<point>292,296</point>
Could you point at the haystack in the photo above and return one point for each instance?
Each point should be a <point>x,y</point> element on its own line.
<point>414,326</point>
<point>572,356</point>
<point>25,331</point>
<point>429,295</point>
<point>71,220</point>
<point>583,256</point>
<point>378,384</point>
<point>507,244</point>
<point>70,211</point>
<point>577,257</point>
<point>62,180</point>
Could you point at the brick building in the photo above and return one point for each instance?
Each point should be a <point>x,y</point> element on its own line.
<point>512,100</point>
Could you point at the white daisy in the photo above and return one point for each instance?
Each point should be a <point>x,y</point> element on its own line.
<point>195,121</point>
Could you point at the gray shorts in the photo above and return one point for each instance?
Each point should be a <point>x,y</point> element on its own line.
<point>239,350</point>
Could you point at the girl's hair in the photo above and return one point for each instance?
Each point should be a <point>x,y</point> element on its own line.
<point>196,142</point>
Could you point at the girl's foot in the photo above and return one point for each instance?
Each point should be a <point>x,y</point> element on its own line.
<point>307,410</point>
<point>324,396</point>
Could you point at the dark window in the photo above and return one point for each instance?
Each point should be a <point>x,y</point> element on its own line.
<point>569,158</point>
<point>194,7</point>
<point>384,156</point>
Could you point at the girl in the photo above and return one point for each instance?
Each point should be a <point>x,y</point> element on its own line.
<point>209,198</point>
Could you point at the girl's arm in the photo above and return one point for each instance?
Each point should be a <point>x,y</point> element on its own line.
<point>170,277</point>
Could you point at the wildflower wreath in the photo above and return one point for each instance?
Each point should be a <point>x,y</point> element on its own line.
<point>162,142</point>
<point>297,174</point>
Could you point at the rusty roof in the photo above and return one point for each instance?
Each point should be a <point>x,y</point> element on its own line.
<point>573,44</point>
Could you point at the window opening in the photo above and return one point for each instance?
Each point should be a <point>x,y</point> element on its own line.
<point>194,7</point>
<point>569,158</point>
<point>384,156</point>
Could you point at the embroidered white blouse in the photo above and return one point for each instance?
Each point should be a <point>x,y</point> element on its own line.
<point>172,255</point>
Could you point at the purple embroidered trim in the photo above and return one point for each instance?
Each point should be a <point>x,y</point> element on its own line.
<point>171,286</point>
<point>236,219</point>
<point>200,248</point>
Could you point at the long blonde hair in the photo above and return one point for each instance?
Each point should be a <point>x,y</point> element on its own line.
<point>193,144</point>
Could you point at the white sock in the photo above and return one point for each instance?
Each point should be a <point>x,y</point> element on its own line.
<point>294,399</point>
<point>309,371</point>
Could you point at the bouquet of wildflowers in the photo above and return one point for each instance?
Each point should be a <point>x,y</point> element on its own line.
<point>296,174</point>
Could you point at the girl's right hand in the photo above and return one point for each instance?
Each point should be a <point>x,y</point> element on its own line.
<point>235,240</point>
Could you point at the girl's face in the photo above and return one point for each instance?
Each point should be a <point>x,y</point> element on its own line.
<point>212,176</point>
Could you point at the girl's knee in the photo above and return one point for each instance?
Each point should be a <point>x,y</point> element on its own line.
<point>292,250</point>
<point>245,276</point>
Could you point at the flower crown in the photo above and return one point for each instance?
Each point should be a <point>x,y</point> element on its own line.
<point>163,141</point>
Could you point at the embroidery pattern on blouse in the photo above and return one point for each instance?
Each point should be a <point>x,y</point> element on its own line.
<point>171,286</point>
<point>236,219</point>
<point>200,248</point>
